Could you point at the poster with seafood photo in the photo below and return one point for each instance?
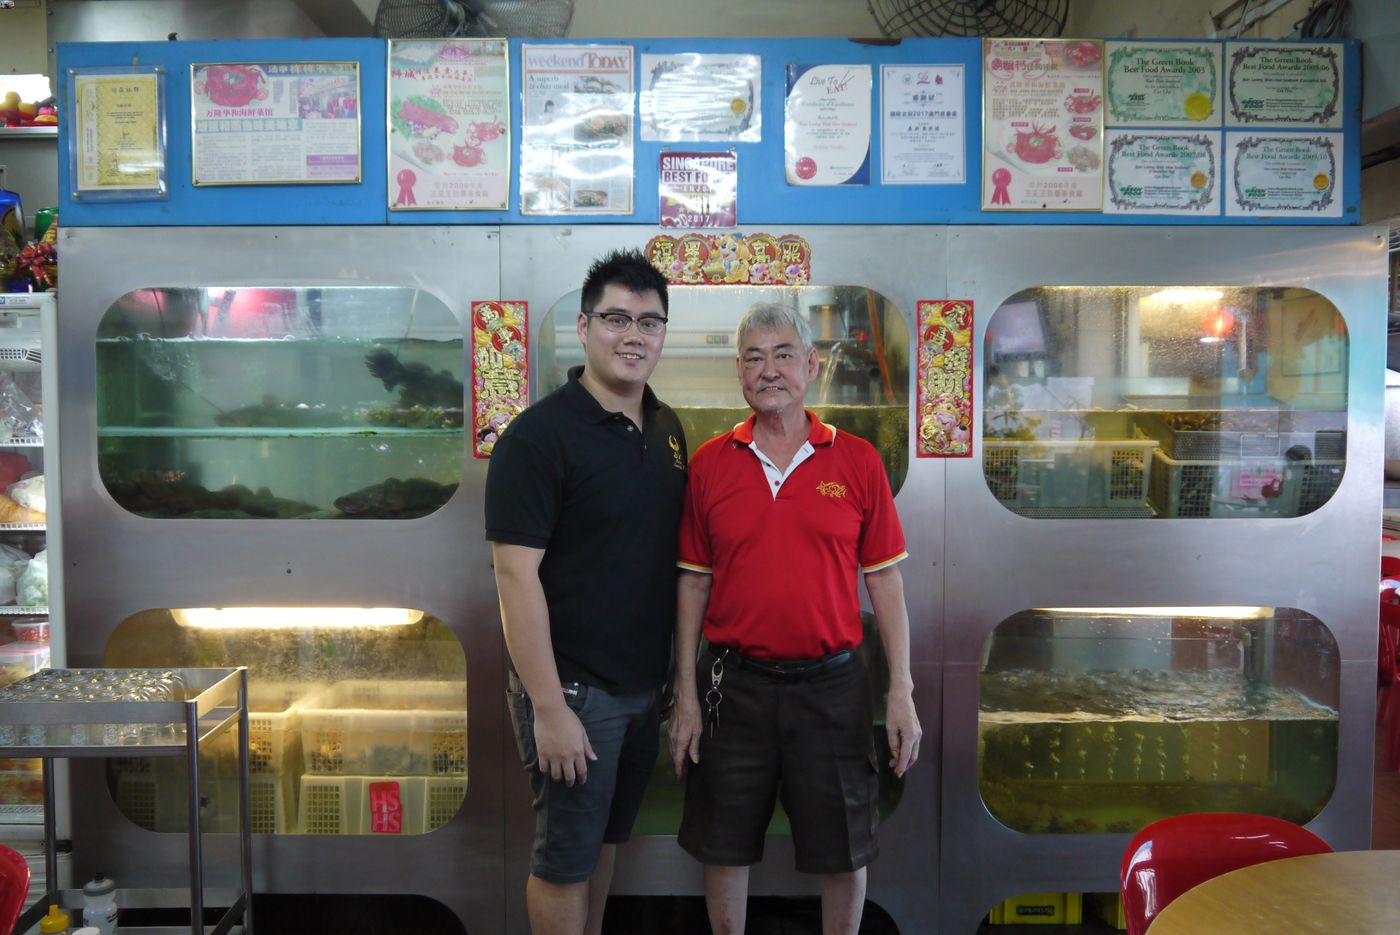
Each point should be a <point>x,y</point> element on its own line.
<point>449,125</point>
<point>1042,125</point>
<point>263,123</point>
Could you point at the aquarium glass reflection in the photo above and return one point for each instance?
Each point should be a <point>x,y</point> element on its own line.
<point>1130,401</point>
<point>357,720</point>
<point>862,388</point>
<point>280,402</point>
<point>1094,721</point>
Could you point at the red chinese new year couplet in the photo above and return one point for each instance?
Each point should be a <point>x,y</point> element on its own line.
<point>500,370</point>
<point>385,808</point>
<point>945,379</point>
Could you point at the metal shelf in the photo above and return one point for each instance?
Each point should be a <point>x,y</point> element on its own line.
<point>31,133</point>
<point>21,441</point>
<point>15,610</point>
<point>23,527</point>
<point>216,701</point>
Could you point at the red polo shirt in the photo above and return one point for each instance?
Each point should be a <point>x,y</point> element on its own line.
<point>786,568</point>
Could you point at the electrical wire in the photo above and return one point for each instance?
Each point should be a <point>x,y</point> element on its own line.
<point>1326,18</point>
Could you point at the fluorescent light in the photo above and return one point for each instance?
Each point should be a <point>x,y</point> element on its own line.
<point>1186,296</point>
<point>293,618</point>
<point>1220,612</point>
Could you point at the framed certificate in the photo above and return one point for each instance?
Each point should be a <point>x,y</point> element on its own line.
<point>116,146</point>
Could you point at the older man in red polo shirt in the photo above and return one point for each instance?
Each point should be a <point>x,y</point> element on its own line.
<point>783,515</point>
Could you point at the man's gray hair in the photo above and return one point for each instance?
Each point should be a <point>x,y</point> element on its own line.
<point>773,316</point>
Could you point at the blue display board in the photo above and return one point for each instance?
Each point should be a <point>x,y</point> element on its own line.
<point>764,197</point>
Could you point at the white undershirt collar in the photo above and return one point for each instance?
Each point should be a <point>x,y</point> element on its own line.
<point>776,477</point>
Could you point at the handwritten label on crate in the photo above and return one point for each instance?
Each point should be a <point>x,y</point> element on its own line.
<point>385,808</point>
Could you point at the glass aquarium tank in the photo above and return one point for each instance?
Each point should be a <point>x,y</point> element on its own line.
<point>280,403</point>
<point>1103,720</point>
<point>357,720</point>
<point>1129,401</point>
<point>862,388</point>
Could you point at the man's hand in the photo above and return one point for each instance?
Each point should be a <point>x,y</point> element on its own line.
<point>685,732</point>
<point>903,731</point>
<point>562,744</point>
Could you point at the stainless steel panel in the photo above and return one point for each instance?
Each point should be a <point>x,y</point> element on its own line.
<point>905,264</point>
<point>120,563</point>
<point>1000,563</point>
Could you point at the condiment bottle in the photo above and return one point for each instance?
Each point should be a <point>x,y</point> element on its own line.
<point>55,923</point>
<point>100,905</point>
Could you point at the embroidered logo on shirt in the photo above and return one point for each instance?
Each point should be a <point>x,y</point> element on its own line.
<point>829,488</point>
<point>676,460</point>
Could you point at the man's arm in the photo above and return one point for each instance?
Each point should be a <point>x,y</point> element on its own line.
<point>560,740</point>
<point>886,588</point>
<point>692,597</point>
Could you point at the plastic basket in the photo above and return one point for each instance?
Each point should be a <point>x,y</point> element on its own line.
<point>1039,909</point>
<point>372,728</point>
<point>155,799</point>
<point>1070,479</point>
<point>1254,433</point>
<point>1261,487</point>
<point>378,804</point>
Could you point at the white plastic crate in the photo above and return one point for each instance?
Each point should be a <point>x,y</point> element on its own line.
<point>1070,479</point>
<point>155,800</point>
<point>378,804</point>
<point>1244,487</point>
<point>375,728</point>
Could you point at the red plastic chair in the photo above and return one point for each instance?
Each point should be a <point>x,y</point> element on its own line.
<point>1170,856</point>
<point>1387,688</point>
<point>14,887</point>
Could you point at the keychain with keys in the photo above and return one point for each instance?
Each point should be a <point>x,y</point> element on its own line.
<point>714,696</point>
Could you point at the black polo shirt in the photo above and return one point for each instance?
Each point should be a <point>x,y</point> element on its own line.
<point>604,501</point>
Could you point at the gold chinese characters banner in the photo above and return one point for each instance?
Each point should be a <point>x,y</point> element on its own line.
<point>945,379</point>
<point>500,374</point>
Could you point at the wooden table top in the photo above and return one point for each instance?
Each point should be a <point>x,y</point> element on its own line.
<point>1349,891</point>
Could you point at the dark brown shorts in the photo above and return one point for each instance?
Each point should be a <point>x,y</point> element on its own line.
<point>807,742</point>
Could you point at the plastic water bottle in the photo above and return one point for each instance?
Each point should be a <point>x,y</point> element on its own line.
<point>100,905</point>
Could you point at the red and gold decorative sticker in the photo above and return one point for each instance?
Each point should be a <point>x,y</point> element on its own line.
<point>732,259</point>
<point>945,379</point>
<point>500,375</point>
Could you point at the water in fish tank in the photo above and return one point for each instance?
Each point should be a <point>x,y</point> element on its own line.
<point>280,403</point>
<point>1106,752</point>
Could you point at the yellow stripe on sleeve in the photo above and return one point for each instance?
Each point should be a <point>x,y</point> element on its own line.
<point>867,569</point>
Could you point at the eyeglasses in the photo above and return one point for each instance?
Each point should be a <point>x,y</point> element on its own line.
<point>618,323</point>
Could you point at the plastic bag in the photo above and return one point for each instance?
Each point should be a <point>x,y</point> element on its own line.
<point>18,415</point>
<point>33,589</point>
<point>12,565</point>
<point>29,493</point>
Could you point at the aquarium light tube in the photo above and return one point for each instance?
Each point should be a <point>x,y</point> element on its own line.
<point>1185,296</point>
<point>1220,613</point>
<point>294,618</point>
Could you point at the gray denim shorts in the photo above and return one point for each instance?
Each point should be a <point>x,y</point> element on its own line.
<point>573,823</point>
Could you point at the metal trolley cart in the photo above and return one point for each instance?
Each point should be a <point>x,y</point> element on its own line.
<point>59,713</point>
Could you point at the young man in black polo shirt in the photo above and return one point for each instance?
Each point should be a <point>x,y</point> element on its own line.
<point>583,500</point>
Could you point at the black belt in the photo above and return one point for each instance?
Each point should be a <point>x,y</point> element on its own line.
<point>791,670</point>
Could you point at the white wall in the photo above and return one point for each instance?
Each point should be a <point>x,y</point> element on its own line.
<point>24,41</point>
<point>722,18</point>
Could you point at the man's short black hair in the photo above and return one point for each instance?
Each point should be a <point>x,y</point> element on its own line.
<point>627,268</point>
